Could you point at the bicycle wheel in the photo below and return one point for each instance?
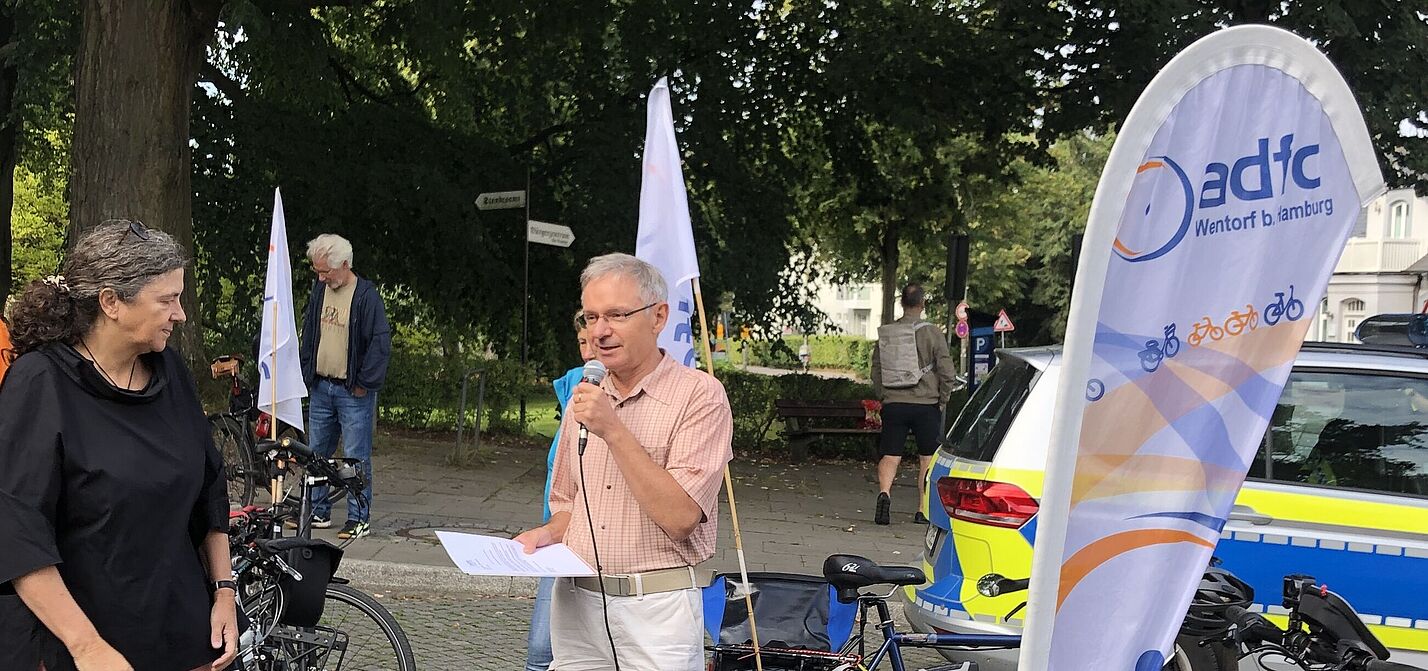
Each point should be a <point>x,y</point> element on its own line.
<point>375,642</point>
<point>239,465</point>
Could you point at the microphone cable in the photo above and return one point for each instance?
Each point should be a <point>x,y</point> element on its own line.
<point>599,569</point>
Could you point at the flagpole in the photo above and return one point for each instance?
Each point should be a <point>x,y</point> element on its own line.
<point>273,423</point>
<point>729,488</point>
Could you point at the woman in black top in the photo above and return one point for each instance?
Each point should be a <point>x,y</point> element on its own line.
<point>113,504</point>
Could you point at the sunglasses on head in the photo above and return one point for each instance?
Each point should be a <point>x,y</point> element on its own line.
<point>136,227</point>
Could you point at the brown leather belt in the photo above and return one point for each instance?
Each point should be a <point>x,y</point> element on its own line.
<point>640,584</point>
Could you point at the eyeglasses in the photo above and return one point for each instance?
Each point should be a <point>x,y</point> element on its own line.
<point>589,319</point>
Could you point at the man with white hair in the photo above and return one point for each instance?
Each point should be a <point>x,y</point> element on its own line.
<point>659,437</point>
<point>346,343</point>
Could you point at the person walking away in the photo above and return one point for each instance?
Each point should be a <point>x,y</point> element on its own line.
<point>913,376</point>
<point>345,347</point>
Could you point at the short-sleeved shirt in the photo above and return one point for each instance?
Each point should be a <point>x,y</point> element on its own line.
<point>334,331</point>
<point>117,489</point>
<point>681,417</point>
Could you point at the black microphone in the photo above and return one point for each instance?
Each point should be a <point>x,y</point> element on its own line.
<point>594,374</point>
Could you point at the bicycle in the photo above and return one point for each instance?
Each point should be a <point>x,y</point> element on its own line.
<point>1323,633</point>
<point>1291,309</point>
<point>1203,329</point>
<point>236,431</point>
<point>1154,353</point>
<point>848,575</point>
<point>300,615</point>
<point>1239,321</point>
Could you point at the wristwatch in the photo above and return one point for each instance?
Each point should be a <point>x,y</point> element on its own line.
<point>225,584</point>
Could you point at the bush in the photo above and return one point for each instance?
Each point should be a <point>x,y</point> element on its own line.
<point>752,396</point>
<point>825,351</point>
<point>423,390</point>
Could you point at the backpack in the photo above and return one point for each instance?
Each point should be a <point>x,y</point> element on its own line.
<point>897,355</point>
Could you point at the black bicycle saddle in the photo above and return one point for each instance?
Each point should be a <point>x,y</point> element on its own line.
<point>849,573</point>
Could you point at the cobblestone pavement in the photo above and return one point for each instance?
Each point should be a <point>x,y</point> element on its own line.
<point>471,632</point>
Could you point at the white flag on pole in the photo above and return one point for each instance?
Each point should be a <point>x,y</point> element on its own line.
<point>278,361</point>
<point>666,238</point>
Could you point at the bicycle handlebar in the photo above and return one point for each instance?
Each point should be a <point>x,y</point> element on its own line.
<point>994,584</point>
<point>1381,665</point>
<point>1007,585</point>
<point>1252,627</point>
<point>298,448</point>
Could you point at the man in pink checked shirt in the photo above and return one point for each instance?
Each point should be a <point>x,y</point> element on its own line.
<point>659,438</point>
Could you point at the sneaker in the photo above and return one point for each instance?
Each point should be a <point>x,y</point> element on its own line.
<point>354,530</point>
<point>884,509</point>
<point>318,522</point>
<point>919,518</point>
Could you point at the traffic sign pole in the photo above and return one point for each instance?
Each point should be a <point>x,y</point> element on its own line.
<point>525,299</point>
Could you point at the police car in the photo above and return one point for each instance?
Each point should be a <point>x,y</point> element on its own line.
<point>1339,490</point>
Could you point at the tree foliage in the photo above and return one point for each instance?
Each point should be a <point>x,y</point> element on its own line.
<point>825,137</point>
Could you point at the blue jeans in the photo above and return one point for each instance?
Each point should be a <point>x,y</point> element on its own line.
<point>334,412</point>
<point>538,652</point>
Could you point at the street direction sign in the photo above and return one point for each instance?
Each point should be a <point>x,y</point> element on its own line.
<point>549,234</point>
<point>501,200</point>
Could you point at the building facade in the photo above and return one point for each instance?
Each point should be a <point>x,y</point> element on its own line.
<point>1382,269</point>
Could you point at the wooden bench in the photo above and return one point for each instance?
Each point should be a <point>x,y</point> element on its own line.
<point>805,421</point>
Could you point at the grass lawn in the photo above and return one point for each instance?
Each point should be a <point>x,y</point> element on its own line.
<point>540,416</point>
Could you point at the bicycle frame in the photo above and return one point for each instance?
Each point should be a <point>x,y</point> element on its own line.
<point>894,640</point>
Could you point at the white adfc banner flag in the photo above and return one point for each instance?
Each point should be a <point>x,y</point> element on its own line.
<point>278,361</point>
<point>666,238</point>
<point>1220,215</point>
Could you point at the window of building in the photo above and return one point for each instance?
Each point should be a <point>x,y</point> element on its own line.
<point>1353,313</point>
<point>860,321</point>
<point>851,293</point>
<point>1398,225</point>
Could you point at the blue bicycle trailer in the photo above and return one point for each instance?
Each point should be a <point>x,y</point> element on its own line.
<point>801,623</point>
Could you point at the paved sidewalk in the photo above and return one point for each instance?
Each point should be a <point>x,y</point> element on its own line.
<point>792,515</point>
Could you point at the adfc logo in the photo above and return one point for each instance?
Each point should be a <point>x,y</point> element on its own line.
<point>1165,200</point>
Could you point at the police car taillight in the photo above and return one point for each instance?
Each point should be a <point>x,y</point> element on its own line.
<point>998,504</point>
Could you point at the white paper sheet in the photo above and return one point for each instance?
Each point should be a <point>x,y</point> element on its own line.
<point>489,555</point>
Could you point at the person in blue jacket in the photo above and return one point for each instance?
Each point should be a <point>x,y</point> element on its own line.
<point>538,651</point>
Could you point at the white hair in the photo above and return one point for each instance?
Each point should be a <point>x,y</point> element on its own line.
<point>334,249</point>
<point>650,281</point>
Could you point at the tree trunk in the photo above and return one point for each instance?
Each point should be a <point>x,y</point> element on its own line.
<point>891,234</point>
<point>9,140</point>
<point>135,73</point>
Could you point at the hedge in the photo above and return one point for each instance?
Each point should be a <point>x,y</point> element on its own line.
<point>757,429</point>
<point>825,351</point>
<point>423,390</point>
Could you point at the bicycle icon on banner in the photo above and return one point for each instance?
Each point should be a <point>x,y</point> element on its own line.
<point>1155,352</point>
<point>1291,309</point>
